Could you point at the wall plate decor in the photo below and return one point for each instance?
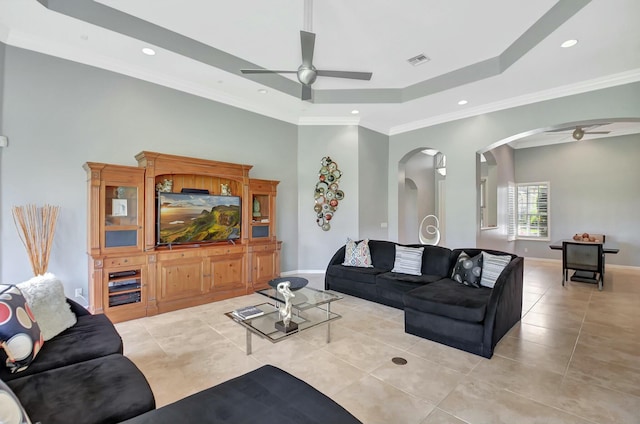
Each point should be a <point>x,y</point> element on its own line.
<point>326,194</point>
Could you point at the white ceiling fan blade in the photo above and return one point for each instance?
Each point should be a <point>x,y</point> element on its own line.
<point>307,41</point>
<point>346,74</point>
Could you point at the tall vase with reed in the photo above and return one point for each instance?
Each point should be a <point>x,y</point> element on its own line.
<point>36,228</point>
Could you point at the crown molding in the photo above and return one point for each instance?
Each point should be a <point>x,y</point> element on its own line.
<point>554,93</point>
<point>328,120</point>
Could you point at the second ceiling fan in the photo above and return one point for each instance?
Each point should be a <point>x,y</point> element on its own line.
<point>307,73</point>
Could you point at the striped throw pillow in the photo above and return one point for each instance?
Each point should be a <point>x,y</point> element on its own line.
<point>492,266</point>
<point>408,260</point>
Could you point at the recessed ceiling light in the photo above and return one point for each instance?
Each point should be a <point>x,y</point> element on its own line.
<point>263,91</point>
<point>355,112</point>
<point>462,102</point>
<point>569,43</point>
<point>148,51</point>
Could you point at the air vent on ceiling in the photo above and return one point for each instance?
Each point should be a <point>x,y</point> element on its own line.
<point>418,60</point>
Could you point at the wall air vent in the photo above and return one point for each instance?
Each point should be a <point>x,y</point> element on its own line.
<point>418,60</point>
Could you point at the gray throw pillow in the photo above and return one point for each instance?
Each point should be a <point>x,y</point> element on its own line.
<point>467,270</point>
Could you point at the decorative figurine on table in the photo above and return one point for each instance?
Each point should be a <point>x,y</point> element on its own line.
<point>285,325</point>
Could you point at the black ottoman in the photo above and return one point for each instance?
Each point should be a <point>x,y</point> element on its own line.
<point>267,395</point>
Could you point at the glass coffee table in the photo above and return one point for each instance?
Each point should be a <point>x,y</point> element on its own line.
<point>311,308</point>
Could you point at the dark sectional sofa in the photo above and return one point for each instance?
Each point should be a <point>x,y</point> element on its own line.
<point>435,306</point>
<point>80,376</point>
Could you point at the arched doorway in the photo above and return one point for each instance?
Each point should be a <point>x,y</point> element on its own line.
<point>421,175</point>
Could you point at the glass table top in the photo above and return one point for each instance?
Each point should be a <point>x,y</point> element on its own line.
<point>305,297</point>
<point>264,325</point>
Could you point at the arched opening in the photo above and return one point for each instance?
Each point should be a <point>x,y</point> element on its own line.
<point>421,175</point>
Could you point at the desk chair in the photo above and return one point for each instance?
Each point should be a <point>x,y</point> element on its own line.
<point>587,259</point>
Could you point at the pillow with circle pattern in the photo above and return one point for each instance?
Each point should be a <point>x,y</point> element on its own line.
<point>11,411</point>
<point>468,270</point>
<point>20,335</point>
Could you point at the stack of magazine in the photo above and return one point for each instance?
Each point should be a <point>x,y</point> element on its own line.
<point>248,312</point>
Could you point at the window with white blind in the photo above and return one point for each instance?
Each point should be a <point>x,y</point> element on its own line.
<point>511,211</point>
<point>532,211</point>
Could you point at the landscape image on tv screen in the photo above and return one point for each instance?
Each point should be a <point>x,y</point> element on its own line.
<point>193,218</point>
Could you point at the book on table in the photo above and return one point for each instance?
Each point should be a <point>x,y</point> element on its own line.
<point>248,312</point>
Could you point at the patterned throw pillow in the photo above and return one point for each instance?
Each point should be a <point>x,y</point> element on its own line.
<point>11,411</point>
<point>492,266</point>
<point>468,270</point>
<point>408,260</point>
<point>357,254</point>
<point>20,335</point>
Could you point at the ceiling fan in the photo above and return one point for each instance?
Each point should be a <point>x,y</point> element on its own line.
<point>307,73</point>
<point>579,131</point>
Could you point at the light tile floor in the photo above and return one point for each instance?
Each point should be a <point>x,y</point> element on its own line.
<point>574,358</point>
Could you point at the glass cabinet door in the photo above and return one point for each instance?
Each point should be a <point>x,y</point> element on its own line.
<point>121,221</point>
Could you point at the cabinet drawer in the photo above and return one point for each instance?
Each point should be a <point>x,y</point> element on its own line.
<point>125,261</point>
<point>224,250</point>
<point>182,254</point>
<point>262,247</point>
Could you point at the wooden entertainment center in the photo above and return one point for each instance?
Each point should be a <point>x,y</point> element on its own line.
<point>132,276</point>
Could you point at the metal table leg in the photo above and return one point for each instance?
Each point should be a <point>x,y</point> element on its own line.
<point>329,323</point>
<point>248,342</point>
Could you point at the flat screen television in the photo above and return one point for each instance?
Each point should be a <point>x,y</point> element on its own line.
<point>197,218</point>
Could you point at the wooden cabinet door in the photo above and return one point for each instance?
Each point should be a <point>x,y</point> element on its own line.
<point>179,279</point>
<point>226,272</point>
<point>264,267</point>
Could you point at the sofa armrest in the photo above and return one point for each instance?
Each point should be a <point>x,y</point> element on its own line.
<point>338,257</point>
<point>505,304</point>
<point>77,308</point>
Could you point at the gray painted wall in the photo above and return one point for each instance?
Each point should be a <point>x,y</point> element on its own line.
<point>594,189</point>
<point>373,156</point>
<point>59,114</point>
<point>315,246</point>
<point>460,140</point>
<point>3,48</point>
<point>504,172</point>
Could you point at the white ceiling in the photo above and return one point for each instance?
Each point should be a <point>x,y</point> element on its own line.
<point>356,35</point>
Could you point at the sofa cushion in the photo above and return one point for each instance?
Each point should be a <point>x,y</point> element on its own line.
<point>11,411</point>
<point>451,299</point>
<point>383,254</point>
<point>408,260</point>
<point>267,395</point>
<point>392,286</point>
<point>357,254</point>
<point>20,336</point>
<point>100,391</point>
<point>467,270</point>
<point>361,275</point>
<point>492,266</point>
<point>436,260</point>
<point>93,336</point>
<point>45,294</point>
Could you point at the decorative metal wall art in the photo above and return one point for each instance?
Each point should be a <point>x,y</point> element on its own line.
<point>327,193</point>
